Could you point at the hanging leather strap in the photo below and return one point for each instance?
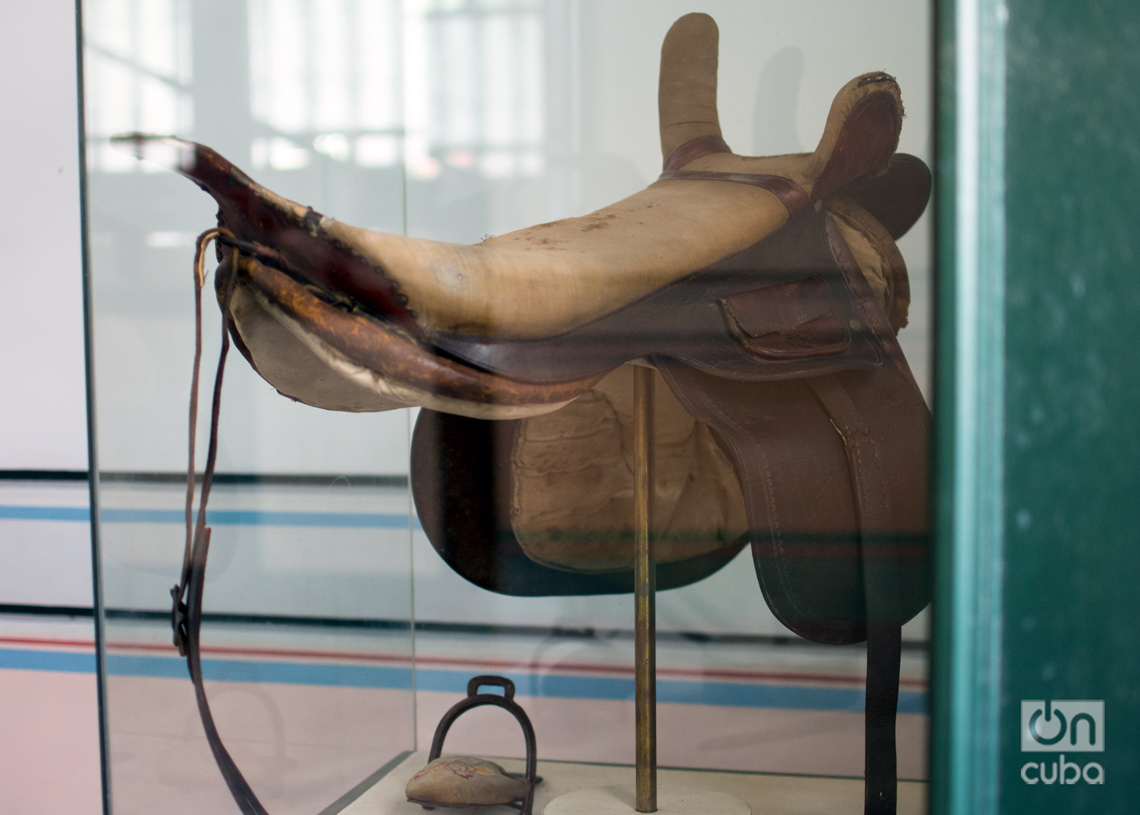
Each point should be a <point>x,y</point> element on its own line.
<point>881,578</point>
<point>186,615</point>
<point>777,440</point>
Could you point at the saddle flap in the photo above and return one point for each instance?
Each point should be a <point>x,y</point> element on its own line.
<point>812,543</point>
<point>573,473</point>
<point>833,467</point>
<point>463,486</point>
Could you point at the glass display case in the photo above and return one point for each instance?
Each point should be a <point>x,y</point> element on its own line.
<point>334,635</point>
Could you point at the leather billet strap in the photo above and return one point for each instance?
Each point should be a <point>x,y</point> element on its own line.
<point>884,657</point>
<point>186,616</point>
<point>878,507</point>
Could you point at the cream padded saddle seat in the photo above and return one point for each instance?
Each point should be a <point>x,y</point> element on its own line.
<point>345,318</point>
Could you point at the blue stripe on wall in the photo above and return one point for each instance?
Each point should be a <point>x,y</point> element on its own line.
<point>277,673</point>
<point>720,694</point>
<point>217,517</point>
<point>11,513</point>
<point>58,661</point>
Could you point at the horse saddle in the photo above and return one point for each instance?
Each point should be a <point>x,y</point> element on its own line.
<point>764,292</point>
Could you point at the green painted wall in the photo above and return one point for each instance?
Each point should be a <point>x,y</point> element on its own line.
<point>1071,624</point>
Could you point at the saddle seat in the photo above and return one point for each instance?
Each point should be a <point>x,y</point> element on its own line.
<point>350,319</point>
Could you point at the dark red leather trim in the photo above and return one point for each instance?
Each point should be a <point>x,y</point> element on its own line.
<point>790,193</point>
<point>693,149</point>
<point>867,141</point>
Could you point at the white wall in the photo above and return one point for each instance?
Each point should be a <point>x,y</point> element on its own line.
<point>42,402</point>
<point>45,556</point>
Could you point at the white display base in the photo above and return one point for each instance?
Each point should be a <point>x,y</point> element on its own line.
<point>765,794</point>
<point>620,800</point>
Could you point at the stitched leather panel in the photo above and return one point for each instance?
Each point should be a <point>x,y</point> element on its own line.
<point>797,319</point>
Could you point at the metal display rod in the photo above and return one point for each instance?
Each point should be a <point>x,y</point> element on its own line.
<point>614,800</point>
<point>645,587</point>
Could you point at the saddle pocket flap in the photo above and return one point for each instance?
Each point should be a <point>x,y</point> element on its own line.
<point>790,320</point>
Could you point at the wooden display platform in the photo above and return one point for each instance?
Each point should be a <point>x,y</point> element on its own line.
<point>383,794</point>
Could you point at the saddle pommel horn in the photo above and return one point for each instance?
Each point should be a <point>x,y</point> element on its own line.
<point>686,95</point>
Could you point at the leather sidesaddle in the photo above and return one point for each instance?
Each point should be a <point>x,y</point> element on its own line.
<point>766,294</point>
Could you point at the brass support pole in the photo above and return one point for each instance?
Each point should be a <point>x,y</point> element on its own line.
<point>645,587</point>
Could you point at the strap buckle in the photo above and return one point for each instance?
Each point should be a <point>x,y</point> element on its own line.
<point>179,614</point>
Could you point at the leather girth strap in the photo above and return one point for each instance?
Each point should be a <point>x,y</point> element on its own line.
<point>243,794</point>
<point>881,580</point>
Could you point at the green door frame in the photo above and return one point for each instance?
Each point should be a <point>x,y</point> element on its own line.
<point>966,664</point>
